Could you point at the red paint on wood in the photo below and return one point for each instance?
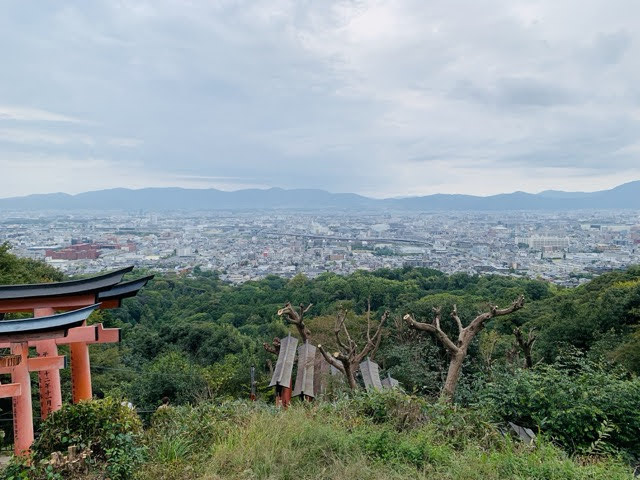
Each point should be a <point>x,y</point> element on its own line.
<point>107,335</point>
<point>22,409</point>
<point>283,396</point>
<point>48,364</point>
<point>26,305</point>
<point>10,390</point>
<point>80,372</point>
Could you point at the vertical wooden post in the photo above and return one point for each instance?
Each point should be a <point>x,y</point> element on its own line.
<point>22,408</point>
<point>285,396</point>
<point>80,372</point>
<point>252,395</point>
<point>49,380</point>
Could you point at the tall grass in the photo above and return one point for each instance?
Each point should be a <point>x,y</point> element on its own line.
<point>349,440</point>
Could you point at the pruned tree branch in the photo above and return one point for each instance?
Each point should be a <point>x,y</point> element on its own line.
<point>372,342</point>
<point>297,318</point>
<point>458,350</point>
<point>454,315</point>
<point>274,347</point>
<point>347,359</point>
<point>332,360</point>
<point>340,318</point>
<point>434,328</point>
<point>526,345</point>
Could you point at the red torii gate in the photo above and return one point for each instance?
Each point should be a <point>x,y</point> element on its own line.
<point>104,291</point>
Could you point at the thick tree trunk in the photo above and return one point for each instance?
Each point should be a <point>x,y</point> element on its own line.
<point>458,349</point>
<point>528,359</point>
<point>526,345</point>
<point>351,377</point>
<point>450,384</point>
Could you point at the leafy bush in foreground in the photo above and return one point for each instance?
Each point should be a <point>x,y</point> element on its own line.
<point>111,430</point>
<point>585,407</point>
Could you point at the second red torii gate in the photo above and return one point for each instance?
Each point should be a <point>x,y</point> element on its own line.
<point>17,334</point>
<point>103,291</point>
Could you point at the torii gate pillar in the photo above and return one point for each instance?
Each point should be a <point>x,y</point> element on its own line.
<point>22,412</point>
<point>80,372</point>
<point>49,380</point>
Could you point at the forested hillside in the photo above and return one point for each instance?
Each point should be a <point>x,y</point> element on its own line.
<point>194,337</point>
<point>572,377</point>
<point>199,321</point>
<point>14,270</point>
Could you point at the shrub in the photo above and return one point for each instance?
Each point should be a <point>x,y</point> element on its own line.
<point>170,375</point>
<point>110,429</point>
<point>581,405</point>
<point>450,423</point>
<point>392,406</point>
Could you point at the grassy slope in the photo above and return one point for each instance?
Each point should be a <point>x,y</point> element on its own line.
<point>351,439</point>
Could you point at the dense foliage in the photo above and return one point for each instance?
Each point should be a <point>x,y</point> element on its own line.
<point>194,338</point>
<point>108,430</point>
<point>15,270</point>
<point>583,406</point>
<point>186,337</point>
<point>208,322</point>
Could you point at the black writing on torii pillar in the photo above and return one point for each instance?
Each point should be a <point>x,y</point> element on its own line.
<point>16,434</point>
<point>45,382</point>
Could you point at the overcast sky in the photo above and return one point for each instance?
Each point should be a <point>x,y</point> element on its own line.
<point>380,98</point>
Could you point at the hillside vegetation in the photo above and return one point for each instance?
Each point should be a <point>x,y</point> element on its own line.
<point>194,338</point>
<point>208,333</point>
<point>362,436</point>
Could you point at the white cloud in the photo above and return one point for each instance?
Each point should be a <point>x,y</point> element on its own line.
<point>60,173</point>
<point>8,112</point>
<point>125,142</point>
<point>32,136</point>
<point>383,98</point>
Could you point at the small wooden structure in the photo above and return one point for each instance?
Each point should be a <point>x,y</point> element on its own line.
<point>321,375</point>
<point>306,366</point>
<point>370,375</point>
<point>281,378</point>
<point>389,382</point>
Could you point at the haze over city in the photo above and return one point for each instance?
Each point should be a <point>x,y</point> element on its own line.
<point>382,99</point>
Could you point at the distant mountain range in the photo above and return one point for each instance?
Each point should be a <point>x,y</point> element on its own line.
<point>625,196</point>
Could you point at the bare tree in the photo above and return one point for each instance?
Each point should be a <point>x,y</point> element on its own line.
<point>347,358</point>
<point>273,347</point>
<point>513,354</point>
<point>526,345</point>
<point>294,318</point>
<point>297,318</point>
<point>458,350</point>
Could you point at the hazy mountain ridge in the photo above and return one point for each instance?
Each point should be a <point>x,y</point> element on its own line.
<point>626,196</point>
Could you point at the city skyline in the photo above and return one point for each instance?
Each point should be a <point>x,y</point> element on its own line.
<point>383,99</point>
<point>566,248</point>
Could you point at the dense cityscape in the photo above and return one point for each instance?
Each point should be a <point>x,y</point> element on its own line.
<point>565,248</point>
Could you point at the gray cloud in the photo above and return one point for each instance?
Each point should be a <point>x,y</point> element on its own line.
<point>513,92</point>
<point>609,48</point>
<point>381,98</point>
